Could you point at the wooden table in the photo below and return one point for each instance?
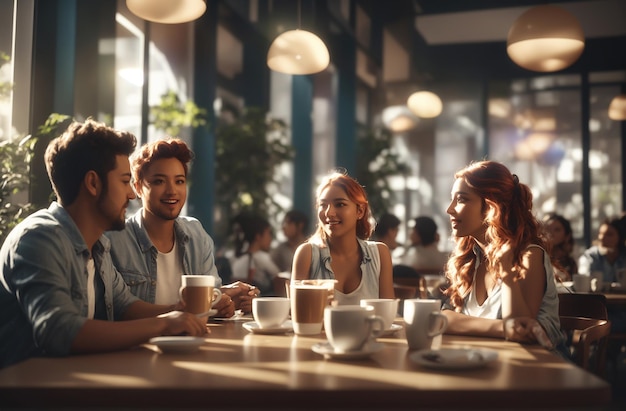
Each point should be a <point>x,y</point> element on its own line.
<point>615,298</point>
<point>238,369</point>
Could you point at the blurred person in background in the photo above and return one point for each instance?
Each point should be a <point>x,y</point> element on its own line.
<point>559,233</point>
<point>295,227</point>
<point>424,253</point>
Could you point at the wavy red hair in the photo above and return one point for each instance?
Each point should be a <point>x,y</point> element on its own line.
<point>508,215</point>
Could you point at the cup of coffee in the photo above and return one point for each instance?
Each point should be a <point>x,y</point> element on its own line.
<point>350,327</point>
<point>270,312</point>
<point>423,321</point>
<point>386,308</point>
<point>328,283</point>
<point>199,294</point>
<point>582,283</point>
<point>307,307</point>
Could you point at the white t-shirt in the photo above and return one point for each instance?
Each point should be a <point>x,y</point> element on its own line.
<point>429,257</point>
<point>91,288</point>
<point>169,272</point>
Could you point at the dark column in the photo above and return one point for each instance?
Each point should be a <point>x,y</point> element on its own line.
<point>202,174</point>
<point>302,140</point>
<point>52,87</point>
<point>346,103</point>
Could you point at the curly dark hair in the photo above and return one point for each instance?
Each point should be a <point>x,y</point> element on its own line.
<point>81,148</point>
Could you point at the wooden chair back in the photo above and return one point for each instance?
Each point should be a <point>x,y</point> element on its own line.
<point>281,284</point>
<point>583,305</point>
<point>587,338</point>
<point>404,275</point>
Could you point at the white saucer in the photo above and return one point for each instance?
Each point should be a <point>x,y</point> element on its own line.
<point>454,358</point>
<point>394,328</point>
<point>182,344</point>
<point>328,351</point>
<point>253,327</point>
<point>209,313</point>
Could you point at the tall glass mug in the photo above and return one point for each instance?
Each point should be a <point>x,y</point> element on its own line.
<point>308,301</point>
<point>329,284</point>
<point>199,294</point>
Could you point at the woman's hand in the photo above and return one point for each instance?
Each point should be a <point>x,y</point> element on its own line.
<point>526,330</point>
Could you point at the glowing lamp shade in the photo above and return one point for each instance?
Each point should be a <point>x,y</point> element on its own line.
<point>298,52</point>
<point>425,104</point>
<point>167,11</point>
<point>617,108</point>
<point>545,38</point>
<point>399,119</point>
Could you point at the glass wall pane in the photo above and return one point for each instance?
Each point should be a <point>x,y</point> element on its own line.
<point>605,159</point>
<point>535,129</point>
<point>6,67</point>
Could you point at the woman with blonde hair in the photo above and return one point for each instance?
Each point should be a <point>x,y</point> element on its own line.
<point>500,273</point>
<point>339,248</point>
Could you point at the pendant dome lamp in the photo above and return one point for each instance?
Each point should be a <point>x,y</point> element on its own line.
<point>425,104</point>
<point>617,108</point>
<point>167,11</point>
<point>545,38</point>
<point>298,52</point>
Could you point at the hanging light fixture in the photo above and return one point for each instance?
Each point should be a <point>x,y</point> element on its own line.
<point>399,119</point>
<point>545,38</point>
<point>425,104</point>
<point>167,11</point>
<point>617,108</point>
<point>298,52</point>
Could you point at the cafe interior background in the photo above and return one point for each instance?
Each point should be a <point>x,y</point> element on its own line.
<point>551,127</point>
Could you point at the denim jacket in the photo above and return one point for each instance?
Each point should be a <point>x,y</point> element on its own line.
<point>135,256</point>
<point>43,286</point>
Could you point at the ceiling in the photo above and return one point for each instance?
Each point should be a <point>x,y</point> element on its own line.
<point>465,39</point>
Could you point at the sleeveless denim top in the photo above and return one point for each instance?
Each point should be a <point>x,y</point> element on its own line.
<point>370,272</point>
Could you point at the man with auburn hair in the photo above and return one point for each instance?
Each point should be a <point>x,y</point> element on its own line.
<point>159,245</point>
<point>59,291</point>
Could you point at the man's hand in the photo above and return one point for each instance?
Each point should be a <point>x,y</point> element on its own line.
<point>225,306</point>
<point>242,295</point>
<point>179,323</point>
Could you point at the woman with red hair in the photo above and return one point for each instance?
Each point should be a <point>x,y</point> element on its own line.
<point>500,274</point>
<point>339,248</point>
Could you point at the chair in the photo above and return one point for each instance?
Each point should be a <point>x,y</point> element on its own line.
<point>281,283</point>
<point>587,338</point>
<point>407,276</point>
<point>404,292</point>
<point>583,305</point>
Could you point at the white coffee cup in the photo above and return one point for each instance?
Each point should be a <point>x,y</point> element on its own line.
<point>582,283</point>
<point>199,294</point>
<point>386,308</point>
<point>350,327</point>
<point>270,312</point>
<point>423,321</point>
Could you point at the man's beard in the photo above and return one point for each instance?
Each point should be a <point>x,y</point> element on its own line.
<point>117,223</point>
<point>166,216</point>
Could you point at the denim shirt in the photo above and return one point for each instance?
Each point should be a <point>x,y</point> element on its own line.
<point>593,260</point>
<point>43,286</point>
<point>135,256</point>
